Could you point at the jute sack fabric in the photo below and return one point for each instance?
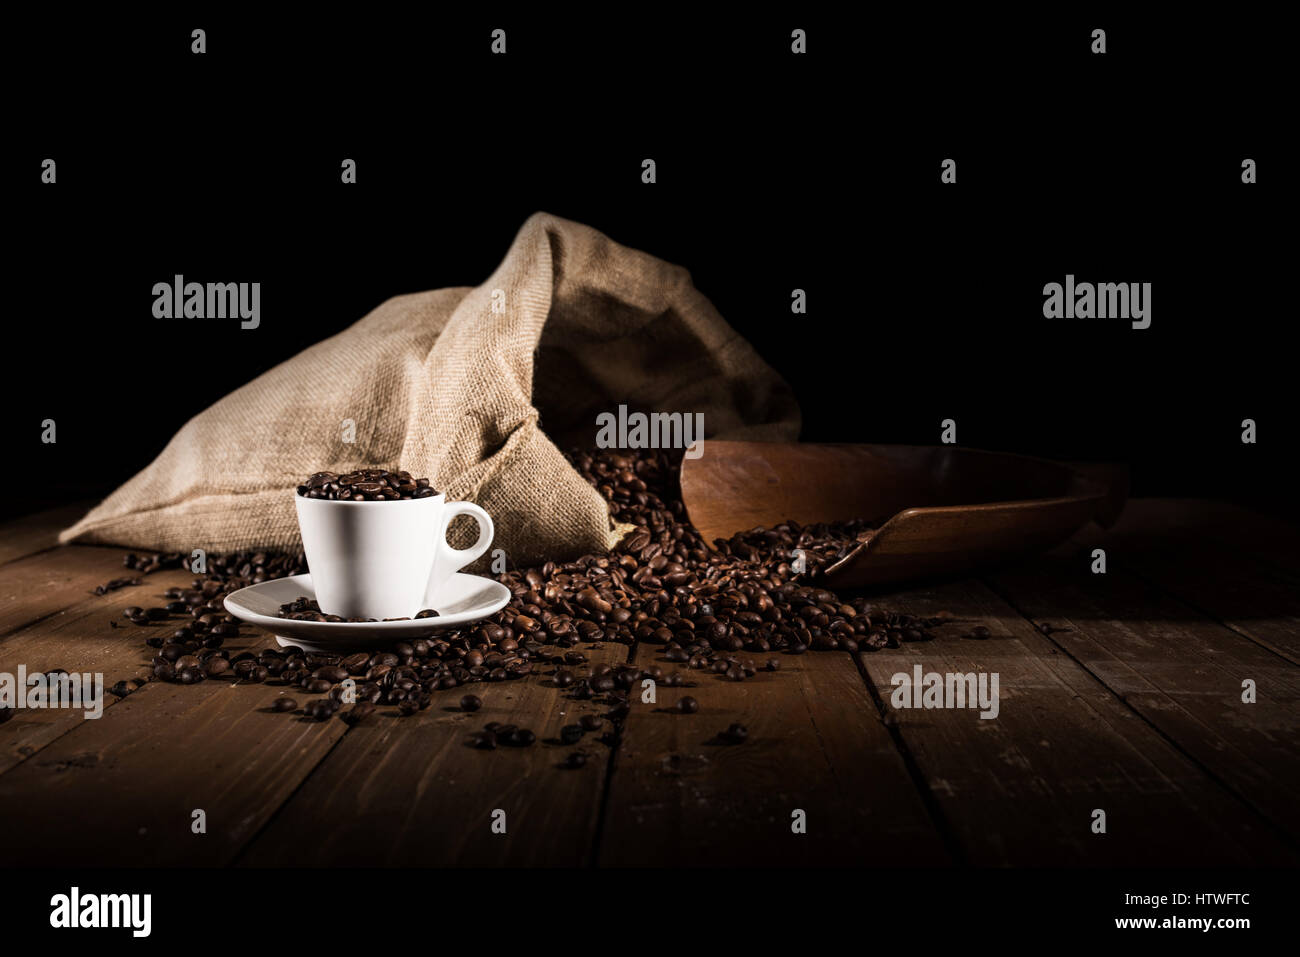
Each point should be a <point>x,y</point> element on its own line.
<point>449,384</point>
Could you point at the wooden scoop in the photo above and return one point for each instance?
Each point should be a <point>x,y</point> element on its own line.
<point>953,509</point>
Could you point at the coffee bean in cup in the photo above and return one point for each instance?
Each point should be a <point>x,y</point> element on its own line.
<point>366,485</point>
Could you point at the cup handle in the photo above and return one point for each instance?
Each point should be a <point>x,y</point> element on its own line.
<point>451,560</point>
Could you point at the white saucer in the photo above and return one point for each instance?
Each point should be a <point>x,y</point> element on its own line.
<point>464,598</point>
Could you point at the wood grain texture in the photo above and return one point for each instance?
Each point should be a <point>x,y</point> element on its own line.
<point>1021,789</point>
<point>413,792</point>
<point>1183,674</point>
<point>81,638</point>
<point>120,791</point>
<point>40,585</point>
<point>1129,713</point>
<point>35,533</point>
<point>816,743</point>
<point>1224,562</point>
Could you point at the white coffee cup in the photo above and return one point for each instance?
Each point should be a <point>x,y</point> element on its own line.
<point>384,559</point>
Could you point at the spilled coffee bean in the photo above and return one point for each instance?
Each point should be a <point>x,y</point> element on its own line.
<point>731,611</point>
<point>306,609</point>
<point>359,712</point>
<point>735,734</point>
<point>571,733</point>
<point>115,584</point>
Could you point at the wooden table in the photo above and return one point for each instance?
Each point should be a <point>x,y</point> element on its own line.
<point>1119,692</point>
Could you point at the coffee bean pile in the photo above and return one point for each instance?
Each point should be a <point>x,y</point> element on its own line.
<point>663,586</point>
<point>306,609</point>
<point>820,545</point>
<point>366,485</point>
<point>724,611</point>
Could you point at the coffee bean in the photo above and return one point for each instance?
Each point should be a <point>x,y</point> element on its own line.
<point>663,585</point>
<point>571,733</point>
<point>736,734</point>
<point>322,709</point>
<point>471,702</point>
<point>591,722</point>
<point>368,484</point>
<point>688,705</point>
<point>359,712</point>
<point>284,704</point>
<point>574,760</point>
<point>121,689</point>
<point>115,584</point>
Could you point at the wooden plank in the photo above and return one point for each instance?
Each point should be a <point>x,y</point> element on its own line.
<point>1021,789</point>
<point>816,743</point>
<point>1225,562</point>
<point>81,638</point>
<point>154,756</point>
<point>1249,596</point>
<point>413,792</point>
<point>35,533</point>
<point>120,791</point>
<point>1215,526</point>
<point>1183,675</point>
<point>35,587</point>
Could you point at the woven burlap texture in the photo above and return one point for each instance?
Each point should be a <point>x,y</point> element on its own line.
<point>448,384</point>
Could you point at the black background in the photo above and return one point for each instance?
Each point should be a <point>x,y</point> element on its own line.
<point>774,172</point>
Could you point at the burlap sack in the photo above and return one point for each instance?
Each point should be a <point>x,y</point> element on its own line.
<point>444,385</point>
